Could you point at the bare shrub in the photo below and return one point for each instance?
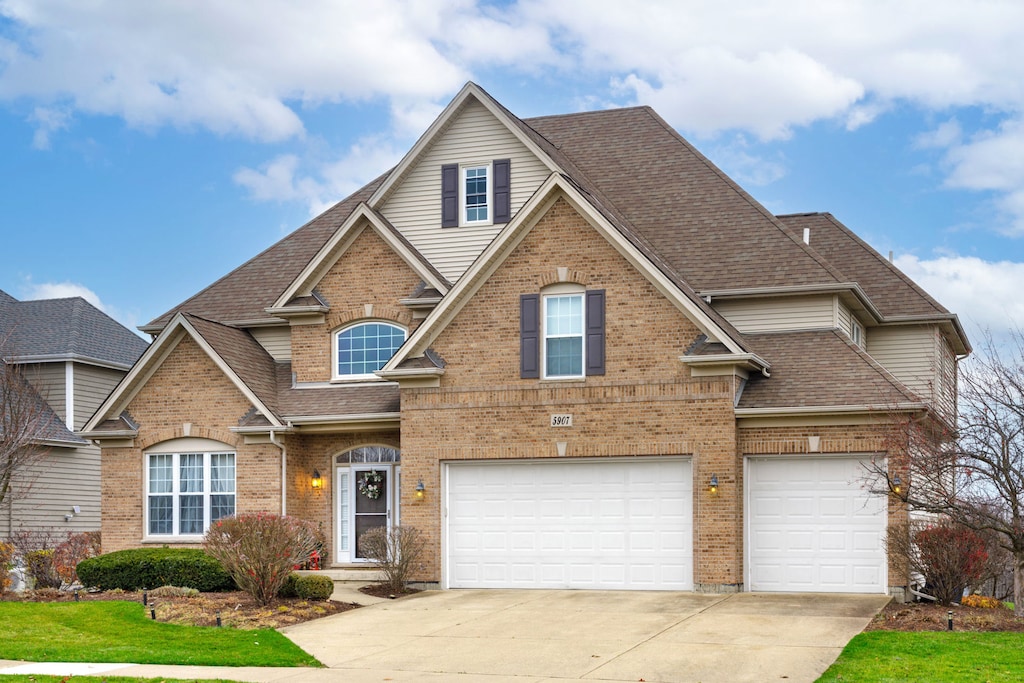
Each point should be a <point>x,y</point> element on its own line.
<point>259,550</point>
<point>951,557</point>
<point>76,548</point>
<point>395,551</point>
<point>6,565</point>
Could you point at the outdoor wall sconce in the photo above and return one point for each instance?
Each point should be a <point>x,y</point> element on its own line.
<point>897,484</point>
<point>713,487</point>
<point>317,482</point>
<point>421,490</point>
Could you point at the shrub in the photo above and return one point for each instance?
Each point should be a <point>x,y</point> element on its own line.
<point>288,589</point>
<point>951,558</point>
<point>6,565</point>
<point>150,567</point>
<point>259,550</point>
<point>985,601</point>
<point>314,587</point>
<point>76,548</point>
<point>39,565</point>
<point>395,551</point>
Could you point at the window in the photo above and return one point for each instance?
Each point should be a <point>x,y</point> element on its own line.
<point>365,348</point>
<point>857,333</point>
<point>188,491</point>
<point>562,333</point>
<point>476,193</point>
<point>475,197</point>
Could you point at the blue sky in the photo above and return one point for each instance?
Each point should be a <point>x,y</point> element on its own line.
<point>146,149</point>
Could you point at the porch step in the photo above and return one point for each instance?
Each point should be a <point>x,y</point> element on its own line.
<point>348,574</point>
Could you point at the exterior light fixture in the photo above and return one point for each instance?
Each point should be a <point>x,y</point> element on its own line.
<point>317,482</point>
<point>713,487</point>
<point>421,490</point>
<point>897,484</point>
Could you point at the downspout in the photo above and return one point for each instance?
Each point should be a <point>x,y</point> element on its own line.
<point>284,472</point>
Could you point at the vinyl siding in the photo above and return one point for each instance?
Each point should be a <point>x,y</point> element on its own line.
<point>908,352</point>
<point>92,386</point>
<point>49,380</point>
<point>780,314</point>
<point>947,378</point>
<point>845,318</point>
<point>277,341</point>
<point>46,492</point>
<point>415,207</point>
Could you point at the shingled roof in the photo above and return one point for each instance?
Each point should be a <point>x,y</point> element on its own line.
<point>805,368</point>
<point>65,329</point>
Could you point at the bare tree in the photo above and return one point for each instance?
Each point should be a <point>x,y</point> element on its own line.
<point>25,421</point>
<point>973,476</point>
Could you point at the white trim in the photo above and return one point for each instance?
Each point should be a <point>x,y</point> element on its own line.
<point>544,336</point>
<point>362,377</point>
<point>69,394</point>
<point>463,208</point>
<point>175,449</point>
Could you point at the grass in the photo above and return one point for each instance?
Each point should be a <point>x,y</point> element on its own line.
<point>932,657</point>
<point>117,631</point>
<point>36,678</point>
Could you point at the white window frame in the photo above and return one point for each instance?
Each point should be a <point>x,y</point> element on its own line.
<point>175,494</point>
<point>856,332</point>
<point>335,375</point>
<point>463,209</point>
<point>563,291</point>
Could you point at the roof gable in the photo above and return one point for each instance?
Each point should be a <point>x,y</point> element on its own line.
<point>556,187</point>
<point>362,218</point>
<point>240,357</point>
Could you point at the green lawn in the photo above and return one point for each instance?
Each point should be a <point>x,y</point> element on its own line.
<point>930,657</point>
<point>35,678</point>
<point>122,632</point>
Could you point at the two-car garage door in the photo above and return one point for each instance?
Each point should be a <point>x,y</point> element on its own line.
<point>605,523</point>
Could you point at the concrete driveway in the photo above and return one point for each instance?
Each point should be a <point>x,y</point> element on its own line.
<point>504,635</point>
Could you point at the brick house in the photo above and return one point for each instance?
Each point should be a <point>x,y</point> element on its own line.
<point>568,349</point>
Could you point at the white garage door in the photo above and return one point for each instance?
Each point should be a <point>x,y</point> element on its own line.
<point>608,524</point>
<point>812,526</point>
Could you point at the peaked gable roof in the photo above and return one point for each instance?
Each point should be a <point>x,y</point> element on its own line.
<point>65,329</point>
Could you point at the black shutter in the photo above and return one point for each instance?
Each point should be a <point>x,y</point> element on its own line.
<point>529,336</point>
<point>502,190</point>
<point>450,196</point>
<point>595,331</point>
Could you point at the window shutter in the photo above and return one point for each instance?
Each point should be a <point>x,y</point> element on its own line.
<point>595,331</point>
<point>529,336</point>
<point>450,195</point>
<point>502,190</point>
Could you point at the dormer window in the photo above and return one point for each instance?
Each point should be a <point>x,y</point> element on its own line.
<point>476,194</point>
<point>362,349</point>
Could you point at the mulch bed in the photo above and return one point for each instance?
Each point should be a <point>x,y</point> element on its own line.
<point>930,617</point>
<point>236,609</point>
<point>380,590</point>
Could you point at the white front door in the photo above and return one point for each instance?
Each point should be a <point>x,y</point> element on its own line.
<point>367,498</point>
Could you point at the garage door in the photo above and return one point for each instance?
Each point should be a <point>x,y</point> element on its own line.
<point>605,524</point>
<point>811,526</point>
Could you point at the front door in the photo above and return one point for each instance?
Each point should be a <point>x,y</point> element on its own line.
<point>368,499</point>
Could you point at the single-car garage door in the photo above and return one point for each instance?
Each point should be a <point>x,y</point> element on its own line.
<point>812,526</point>
<point>589,523</point>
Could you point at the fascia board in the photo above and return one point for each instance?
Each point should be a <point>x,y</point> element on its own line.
<point>64,357</point>
<point>340,242</point>
<point>510,237</point>
<point>440,124</point>
<point>830,410</point>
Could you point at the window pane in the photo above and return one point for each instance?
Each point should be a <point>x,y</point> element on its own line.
<point>564,315</point>
<point>564,356</point>
<point>221,506</point>
<point>372,346</point>
<point>160,511</point>
<point>343,513</point>
<point>190,515</point>
<point>222,473</point>
<point>190,466</point>
<point>161,473</point>
<point>476,194</point>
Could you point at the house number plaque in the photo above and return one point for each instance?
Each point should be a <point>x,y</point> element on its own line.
<point>561,420</point>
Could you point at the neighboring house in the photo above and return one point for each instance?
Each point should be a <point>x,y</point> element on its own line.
<point>71,355</point>
<point>568,349</point>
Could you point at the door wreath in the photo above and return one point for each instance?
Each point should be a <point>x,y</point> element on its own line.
<point>371,484</point>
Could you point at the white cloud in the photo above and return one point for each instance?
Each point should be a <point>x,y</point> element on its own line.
<point>985,294</point>
<point>748,169</point>
<point>48,121</point>
<point>326,183</point>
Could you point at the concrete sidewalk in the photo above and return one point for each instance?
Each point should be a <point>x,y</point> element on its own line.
<point>546,636</point>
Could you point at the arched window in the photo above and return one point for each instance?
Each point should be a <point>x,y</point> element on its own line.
<point>361,349</point>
